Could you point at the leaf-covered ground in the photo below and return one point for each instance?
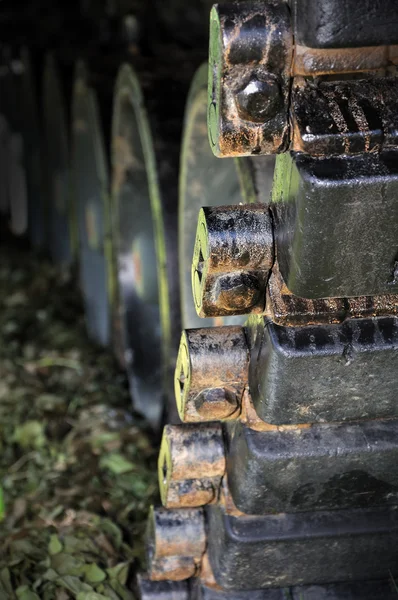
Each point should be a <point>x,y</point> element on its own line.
<point>77,467</point>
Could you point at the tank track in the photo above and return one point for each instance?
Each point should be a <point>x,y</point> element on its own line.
<point>278,466</point>
<point>283,454</point>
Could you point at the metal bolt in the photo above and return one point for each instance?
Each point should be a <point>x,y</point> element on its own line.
<point>251,45</point>
<point>238,292</point>
<point>175,543</point>
<point>216,403</point>
<point>211,373</point>
<point>233,255</point>
<point>259,101</point>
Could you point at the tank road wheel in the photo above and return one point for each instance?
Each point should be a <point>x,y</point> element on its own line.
<point>143,300</point>
<point>60,208</point>
<point>91,187</point>
<point>33,145</point>
<point>4,159</point>
<point>14,114</point>
<point>6,165</point>
<point>207,181</point>
<point>5,137</point>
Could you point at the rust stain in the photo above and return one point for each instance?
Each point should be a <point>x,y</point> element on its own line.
<point>191,464</point>
<point>177,532</point>
<point>234,252</point>
<point>191,493</point>
<point>284,308</point>
<point>173,568</point>
<point>313,62</point>
<point>214,362</point>
<point>250,418</point>
<point>206,574</point>
<point>239,136</point>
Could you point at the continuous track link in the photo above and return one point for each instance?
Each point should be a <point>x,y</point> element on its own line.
<point>293,485</point>
<point>278,463</point>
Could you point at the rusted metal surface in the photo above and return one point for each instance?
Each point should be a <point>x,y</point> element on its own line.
<point>253,66</point>
<point>284,308</point>
<point>178,532</point>
<point>190,492</point>
<point>250,418</point>
<point>235,271</point>
<point>211,373</point>
<point>363,590</point>
<point>313,62</point>
<point>344,117</point>
<point>198,170</point>
<point>293,470</point>
<point>176,541</point>
<point>191,464</point>
<point>174,568</point>
<point>226,500</point>
<point>250,55</point>
<point>206,574</point>
<point>231,268</point>
<point>233,255</point>
<point>240,181</point>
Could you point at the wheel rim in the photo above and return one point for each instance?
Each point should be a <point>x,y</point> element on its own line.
<point>4,171</point>
<point>33,154</point>
<point>60,212</point>
<point>91,193</point>
<point>18,191</point>
<point>14,144</point>
<point>141,306</point>
<point>5,133</point>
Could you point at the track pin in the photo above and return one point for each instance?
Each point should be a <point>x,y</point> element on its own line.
<point>191,464</point>
<point>211,373</point>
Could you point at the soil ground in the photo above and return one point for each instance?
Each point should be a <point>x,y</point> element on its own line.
<point>77,466</point>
